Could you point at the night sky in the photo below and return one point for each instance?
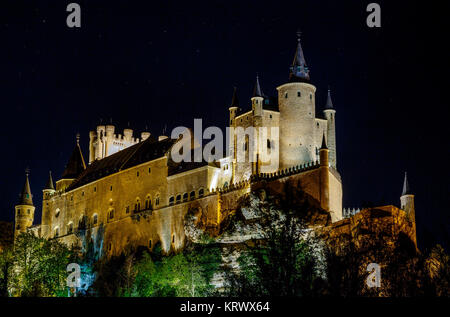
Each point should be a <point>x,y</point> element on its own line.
<point>157,63</point>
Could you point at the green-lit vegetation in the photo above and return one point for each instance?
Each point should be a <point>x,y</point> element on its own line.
<point>145,274</point>
<point>34,267</point>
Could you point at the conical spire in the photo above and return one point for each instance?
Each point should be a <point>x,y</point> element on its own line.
<point>25,198</point>
<point>406,190</point>
<point>324,143</point>
<point>257,92</point>
<point>299,71</point>
<point>329,104</point>
<point>235,99</point>
<point>76,163</point>
<point>49,184</point>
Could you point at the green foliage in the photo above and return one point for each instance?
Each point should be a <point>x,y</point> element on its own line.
<point>144,274</point>
<point>185,274</point>
<point>35,267</point>
<point>281,265</point>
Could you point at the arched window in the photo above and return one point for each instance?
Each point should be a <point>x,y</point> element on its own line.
<point>286,95</point>
<point>95,219</point>
<point>192,195</point>
<point>82,223</point>
<point>157,200</point>
<point>57,212</point>
<point>201,192</point>
<point>111,214</point>
<point>178,199</point>
<point>171,201</point>
<point>299,94</point>
<point>70,228</point>
<point>56,232</point>
<point>185,197</point>
<point>148,203</point>
<point>268,143</point>
<point>18,211</point>
<point>225,185</point>
<point>150,243</point>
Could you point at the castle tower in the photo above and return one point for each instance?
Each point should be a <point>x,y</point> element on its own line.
<point>407,200</point>
<point>296,100</point>
<point>47,192</point>
<point>24,209</point>
<point>330,114</point>
<point>324,175</point>
<point>234,108</point>
<point>257,108</point>
<point>257,99</point>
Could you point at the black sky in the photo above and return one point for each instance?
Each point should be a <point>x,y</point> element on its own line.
<point>166,63</point>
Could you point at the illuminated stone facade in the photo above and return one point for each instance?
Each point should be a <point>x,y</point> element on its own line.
<point>133,194</point>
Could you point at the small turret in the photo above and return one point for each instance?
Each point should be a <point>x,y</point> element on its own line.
<point>324,151</point>
<point>145,135</point>
<point>49,184</point>
<point>234,107</point>
<point>128,135</point>
<point>324,176</point>
<point>24,210</point>
<point>330,115</point>
<point>407,200</point>
<point>257,99</point>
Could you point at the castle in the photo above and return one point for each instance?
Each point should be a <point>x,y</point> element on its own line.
<point>132,192</point>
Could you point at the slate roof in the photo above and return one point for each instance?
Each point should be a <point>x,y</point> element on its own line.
<point>142,152</point>
<point>25,198</point>
<point>75,166</point>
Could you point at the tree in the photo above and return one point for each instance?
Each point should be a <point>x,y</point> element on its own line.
<point>39,267</point>
<point>184,274</point>
<point>286,260</point>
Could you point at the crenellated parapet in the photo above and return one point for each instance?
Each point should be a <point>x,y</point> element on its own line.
<point>104,141</point>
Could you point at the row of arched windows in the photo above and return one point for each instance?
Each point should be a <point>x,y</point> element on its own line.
<point>185,197</point>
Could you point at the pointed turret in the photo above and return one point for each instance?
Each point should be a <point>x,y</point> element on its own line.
<point>329,104</point>
<point>406,190</point>
<point>49,184</point>
<point>76,163</point>
<point>407,204</point>
<point>24,210</point>
<point>235,99</point>
<point>257,102</point>
<point>299,71</point>
<point>25,198</point>
<point>324,143</point>
<point>257,92</point>
<point>330,115</point>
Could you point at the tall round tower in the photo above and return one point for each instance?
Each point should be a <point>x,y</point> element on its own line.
<point>24,209</point>
<point>296,101</point>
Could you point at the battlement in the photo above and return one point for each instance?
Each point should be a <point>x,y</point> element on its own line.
<point>104,141</point>
<point>270,176</point>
